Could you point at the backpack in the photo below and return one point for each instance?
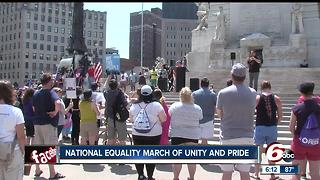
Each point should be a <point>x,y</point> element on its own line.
<point>310,132</point>
<point>120,111</point>
<point>142,123</point>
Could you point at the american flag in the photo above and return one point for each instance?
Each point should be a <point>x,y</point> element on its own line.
<point>97,71</point>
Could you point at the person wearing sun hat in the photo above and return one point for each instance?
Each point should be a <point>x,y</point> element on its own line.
<point>155,115</point>
<point>236,106</point>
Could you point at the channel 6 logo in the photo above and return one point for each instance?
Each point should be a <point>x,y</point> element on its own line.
<point>276,152</point>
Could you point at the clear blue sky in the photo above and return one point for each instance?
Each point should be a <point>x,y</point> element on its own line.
<point>118,22</point>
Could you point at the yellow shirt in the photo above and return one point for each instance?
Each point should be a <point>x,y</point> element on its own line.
<point>87,114</point>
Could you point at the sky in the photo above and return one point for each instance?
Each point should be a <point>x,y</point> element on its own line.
<point>118,22</point>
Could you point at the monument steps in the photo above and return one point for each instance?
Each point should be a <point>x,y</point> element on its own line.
<point>283,80</point>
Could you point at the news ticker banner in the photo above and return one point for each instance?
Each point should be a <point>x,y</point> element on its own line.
<point>279,169</point>
<point>219,154</point>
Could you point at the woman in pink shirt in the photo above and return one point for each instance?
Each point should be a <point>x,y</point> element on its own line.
<point>157,94</point>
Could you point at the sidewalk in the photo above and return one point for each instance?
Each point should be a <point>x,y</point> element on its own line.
<point>128,172</point>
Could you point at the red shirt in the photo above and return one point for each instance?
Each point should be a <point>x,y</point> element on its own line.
<point>91,72</point>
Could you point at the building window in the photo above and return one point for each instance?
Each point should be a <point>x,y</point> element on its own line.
<point>100,35</point>
<point>101,43</point>
<point>56,20</point>
<point>34,66</point>
<point>90,16</point>
<point>36,17</point>
<point>43,18</point>
<point>55,48</point>
<point>63,21</point>
<point>101,17</point>
<point>28,35</point>
<point>27,55</point>
<point>56,30</point>
<point>89,33</point>
<point>49,38</point>
<point>27,45</point>
<point>49,28</point>
<point>101,25</point>
<point>95,25</point>
<point>55,39</point>
<point>41,47</point>
<point>61,48</point>
<point>42,28</point>
<point>26,75</point>
<point>42,37</point>
<point>63,30</point>
<point>41,66</point>
<point>34,56</point>
<point>95,34</point>
<point>48,67</point>
<point>34,45</point>
<point>48,57</point>
<point>48,47</point>
<point>89,42</point>
<point>62,40</point>
<point>49,19</point>
<point>35,36</point>
<point>28,25</point>
<point>55,57</point>
<point>41,56</point>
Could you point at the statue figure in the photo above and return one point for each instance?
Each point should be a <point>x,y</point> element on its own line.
<point>297,18</point>
<point>220,27</point>
<point>159,62</point>
<point>202,13</point>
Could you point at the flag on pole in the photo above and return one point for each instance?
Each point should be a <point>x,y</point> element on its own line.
<point>97,71</point>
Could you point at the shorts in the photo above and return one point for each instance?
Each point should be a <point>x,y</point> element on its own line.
<point>237,141</point>
<point>45,135</point>
<point>88,130</point>
<point>123,84</point>
<point>29,129</point>
<point>120,129</point>
<point>180,140</point>
<point>265,135</point>
<point>207,130</point>
<point>302,152</point>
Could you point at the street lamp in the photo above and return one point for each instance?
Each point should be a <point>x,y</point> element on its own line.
<point>141,58</point>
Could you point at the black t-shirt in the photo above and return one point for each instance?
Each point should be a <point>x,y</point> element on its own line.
<point>253,65</point>
<point>303,110</point>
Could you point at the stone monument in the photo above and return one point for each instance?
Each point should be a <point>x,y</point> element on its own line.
<point>235,28</point>
<point>202,13</point>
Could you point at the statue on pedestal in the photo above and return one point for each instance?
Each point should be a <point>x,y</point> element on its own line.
<point>220,27</point>
<point>297,18</point>
<point>202,13</point>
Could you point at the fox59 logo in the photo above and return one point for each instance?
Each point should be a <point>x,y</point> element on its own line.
<point>276,152</point>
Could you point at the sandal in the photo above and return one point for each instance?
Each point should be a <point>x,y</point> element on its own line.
<point>255,177</point>
<point>38,175</point>
<point>57,176</point>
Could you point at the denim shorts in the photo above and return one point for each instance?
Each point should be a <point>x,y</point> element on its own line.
<point>265,135</point>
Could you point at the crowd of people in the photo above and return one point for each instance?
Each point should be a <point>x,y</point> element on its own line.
<point>39,116</point>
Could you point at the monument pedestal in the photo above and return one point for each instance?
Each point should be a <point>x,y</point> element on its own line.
<point>298,40</point>
<point>217,51</point>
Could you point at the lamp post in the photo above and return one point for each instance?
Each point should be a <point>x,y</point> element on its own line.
<point>141,55</point>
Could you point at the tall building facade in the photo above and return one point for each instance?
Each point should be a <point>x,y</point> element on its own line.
<point>179,19</point>
<point>152,29</point>
<point>34,37</point>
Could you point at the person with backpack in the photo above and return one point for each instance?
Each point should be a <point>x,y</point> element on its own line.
<point>269,114</point>
<point>303,166</point>
<point>116,126</point>
<point>185,126</point>
<point>305,128</point>
<point>147,116</point>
